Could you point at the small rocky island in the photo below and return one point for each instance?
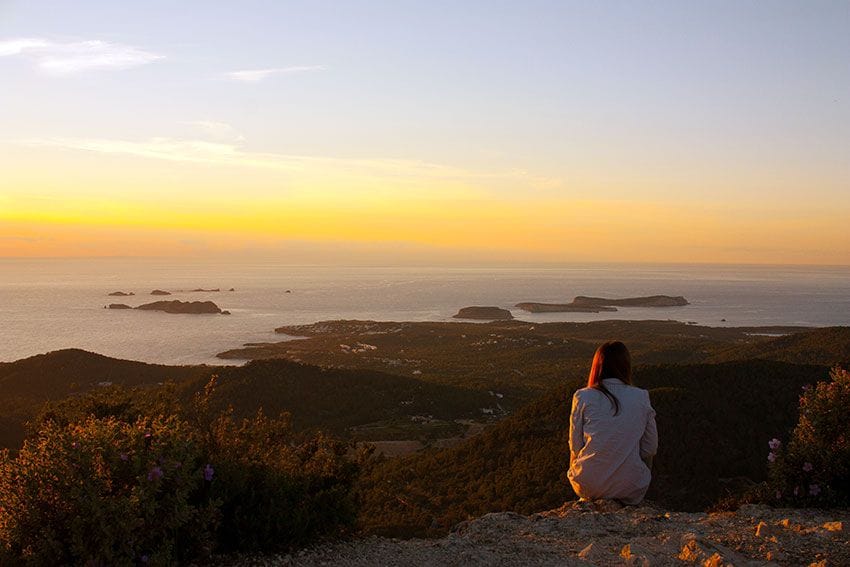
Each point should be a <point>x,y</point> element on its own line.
<point>489,313</point>
<point>584,304</point>
<point>160,292</point>
<point>121,293</point>
<point>176,306</point>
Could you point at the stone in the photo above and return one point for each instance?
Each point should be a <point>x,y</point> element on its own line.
<point>636,555</point>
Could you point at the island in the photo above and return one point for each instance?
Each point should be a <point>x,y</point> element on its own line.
<point>533,307</point>
<point>208,290</point>
<point>489,313</point>
<point>121,293</point>
<point>584,304</point>
<point>649,301</point>
<point>119,306</point>
<point>177,306</point>
<point>160,292</point>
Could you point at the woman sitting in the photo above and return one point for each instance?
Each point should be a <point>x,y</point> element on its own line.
<point>612,431</point>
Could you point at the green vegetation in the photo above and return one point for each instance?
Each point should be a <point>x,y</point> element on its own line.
<point>814,469</point>
<point>721,395</point>
<point>713,421</point>
<point>163,489</point>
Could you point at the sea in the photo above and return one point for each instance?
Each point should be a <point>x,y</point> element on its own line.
<point>50,304</point>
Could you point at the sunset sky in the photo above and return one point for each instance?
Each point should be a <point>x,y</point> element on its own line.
<point>427,131</point>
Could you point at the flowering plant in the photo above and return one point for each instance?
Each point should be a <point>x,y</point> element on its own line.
<point>814,468</point>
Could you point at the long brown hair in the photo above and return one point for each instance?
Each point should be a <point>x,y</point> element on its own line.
<point>611,360</point>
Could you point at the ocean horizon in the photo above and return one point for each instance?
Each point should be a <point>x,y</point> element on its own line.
<point>50,304</point>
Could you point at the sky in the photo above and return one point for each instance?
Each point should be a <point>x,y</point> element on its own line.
<point>438,131</point>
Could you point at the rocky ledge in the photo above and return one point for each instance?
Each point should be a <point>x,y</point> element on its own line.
<point>160,292</point>
<point>604,533</point>
<point>121,293</point>
<point>489,313</point>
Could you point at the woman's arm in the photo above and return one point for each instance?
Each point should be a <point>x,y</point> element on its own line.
<point>649,439</point>
<point>576,428</point>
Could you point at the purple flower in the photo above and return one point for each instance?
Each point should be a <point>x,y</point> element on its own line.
<point>796,491</point>
<point>814,489</point>
<point>807,387</point>
<point>148,435</point>
<point>74,445</point>
<point>771,457</point>
<point>774,444</point>
<point>124,457</point>
<point>155,473</point>
<point>807,467</point>
<point>778,494</point>
<point>208,472</point>
<point>144,558</point>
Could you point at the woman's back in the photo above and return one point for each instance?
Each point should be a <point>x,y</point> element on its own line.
<point>609,442</point>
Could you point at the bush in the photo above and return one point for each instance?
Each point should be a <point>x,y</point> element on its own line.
<point>278,491</point>
<point>814,468</point>
<point>110,490</point>
<point>106,492</point>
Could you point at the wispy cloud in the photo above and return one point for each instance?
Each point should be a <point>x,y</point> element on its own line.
<point>219,153</point>
<point>67,58</point>
<point>257,75</point>
<point>231,154</point>
<point>219,131</point>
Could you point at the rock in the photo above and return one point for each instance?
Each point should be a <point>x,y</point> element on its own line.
<point>288,291</point>
<point>160,292</point>
<point>636,555</point>
<point>490,313</point>
<point>119,306</point>
<point>225,312</point>
<point>763,530</point>
<point>707,553</point>
<point>122,293</point>
<point>232,289</point>
<point>208,290</point>
<point>592,552</point>
<point>177,306</point>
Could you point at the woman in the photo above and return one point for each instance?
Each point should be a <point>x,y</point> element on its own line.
<point>612,431</point>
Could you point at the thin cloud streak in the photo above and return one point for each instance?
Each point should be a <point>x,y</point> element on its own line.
<point>68,58</point>
<point>257,75</point>
<point>228,154</point>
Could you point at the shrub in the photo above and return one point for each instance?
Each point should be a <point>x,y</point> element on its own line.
<point>115,490</point>
<point>106,492</point>
<point>814,468</point>
<point>278,491</point>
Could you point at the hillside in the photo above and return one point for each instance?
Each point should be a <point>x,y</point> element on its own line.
<point>714,422</point>
<point>30,382</point>
<point>829,345</point>
<point>395,407</point>
<point>578,534</point>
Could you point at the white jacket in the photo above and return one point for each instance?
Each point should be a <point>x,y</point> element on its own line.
<point>607,450</point>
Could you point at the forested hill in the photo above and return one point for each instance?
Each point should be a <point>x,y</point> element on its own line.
<point>829,345</point>
<point>714,422</point>
<point>318,398</point>
<point>27,383</point>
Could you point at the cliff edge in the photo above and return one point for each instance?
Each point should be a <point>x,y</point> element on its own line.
<point>604,533</point>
